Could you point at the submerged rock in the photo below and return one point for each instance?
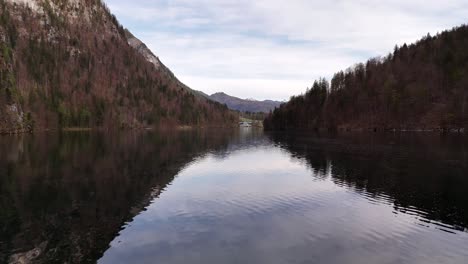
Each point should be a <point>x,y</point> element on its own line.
<point>28,256</point>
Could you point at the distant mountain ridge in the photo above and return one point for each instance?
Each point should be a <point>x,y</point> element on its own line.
<point>245,105</point>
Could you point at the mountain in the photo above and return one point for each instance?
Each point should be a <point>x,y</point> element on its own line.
<point>422,86</point>
<point>245,105</point>
<point>69,63</point>
<point>141,47</point>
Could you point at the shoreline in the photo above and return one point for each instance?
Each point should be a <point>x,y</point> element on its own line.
<point>90,129</point>
<point>374,130</point>
<point>189,127</point>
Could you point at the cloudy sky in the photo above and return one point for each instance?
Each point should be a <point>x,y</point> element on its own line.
<point>272,49</point>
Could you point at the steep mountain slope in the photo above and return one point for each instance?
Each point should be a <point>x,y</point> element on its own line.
<point>141,47</point>
<point>245,105</point>
<point>68,63</point>
<point>420,86</point>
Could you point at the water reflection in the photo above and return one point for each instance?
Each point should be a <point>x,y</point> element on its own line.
<point>64,197</point>
<point>304,199</point>
<point>424,175</point>
<point>233,197</point>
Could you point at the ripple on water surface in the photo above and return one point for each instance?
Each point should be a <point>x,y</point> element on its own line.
<point>262,205</point>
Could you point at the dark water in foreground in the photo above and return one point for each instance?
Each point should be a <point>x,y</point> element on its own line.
<point>233,197</point>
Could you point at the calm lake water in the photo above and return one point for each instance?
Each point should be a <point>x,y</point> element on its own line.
<point>233,197</point>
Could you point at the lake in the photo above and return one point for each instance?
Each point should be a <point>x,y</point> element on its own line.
<point>234,196</point>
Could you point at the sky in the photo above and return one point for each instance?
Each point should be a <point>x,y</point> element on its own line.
<point>273,49</point>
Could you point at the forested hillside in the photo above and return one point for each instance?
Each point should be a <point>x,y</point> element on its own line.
<point>422,86</point>
<point>67,63</point>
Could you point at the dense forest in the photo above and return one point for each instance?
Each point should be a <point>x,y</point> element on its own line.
<point>422,86</point>
<point>67,63</point>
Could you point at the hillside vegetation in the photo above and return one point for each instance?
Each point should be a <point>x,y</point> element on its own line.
<point>418,86</point>
<point>67,63</point>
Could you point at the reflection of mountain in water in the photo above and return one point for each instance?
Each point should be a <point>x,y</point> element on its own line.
<point>65,197</point>
<point>421,175</point>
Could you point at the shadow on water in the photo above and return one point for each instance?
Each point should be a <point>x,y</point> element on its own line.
<point>64,197</point>
<point>420,174</point>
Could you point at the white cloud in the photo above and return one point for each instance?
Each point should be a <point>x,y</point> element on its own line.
<point>241,46</point>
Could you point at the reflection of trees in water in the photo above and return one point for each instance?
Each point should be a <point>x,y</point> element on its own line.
<point>427,175</point>
<point>244,139</point>
<point>69,194</point>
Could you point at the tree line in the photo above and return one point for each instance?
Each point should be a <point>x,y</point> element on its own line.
<point>418,86</point>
